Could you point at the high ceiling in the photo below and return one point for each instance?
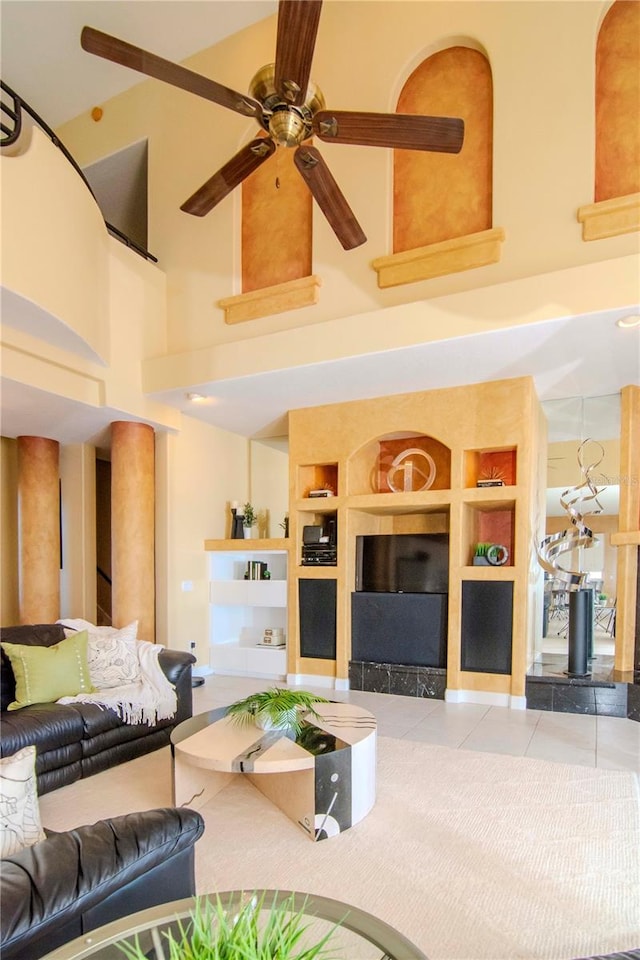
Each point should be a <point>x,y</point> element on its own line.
<point>570,357</point>
<point>43,62</point>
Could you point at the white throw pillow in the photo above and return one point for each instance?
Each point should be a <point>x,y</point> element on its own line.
<point>19,810</point>
<point>112,653</point>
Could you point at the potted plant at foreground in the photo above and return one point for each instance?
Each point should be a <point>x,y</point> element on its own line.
<point>275,709</point>
<point>257,931</point>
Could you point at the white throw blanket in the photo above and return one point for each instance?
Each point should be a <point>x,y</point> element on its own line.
<point>148,700</point>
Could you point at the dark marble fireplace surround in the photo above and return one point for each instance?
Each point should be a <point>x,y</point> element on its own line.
<point>403,680</point>
<point>594,695</point>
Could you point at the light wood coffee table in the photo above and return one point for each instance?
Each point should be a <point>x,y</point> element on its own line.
<point>324,780</point>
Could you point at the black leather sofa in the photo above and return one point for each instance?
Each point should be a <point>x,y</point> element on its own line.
<point>77,740</point>
<point>70,883</point>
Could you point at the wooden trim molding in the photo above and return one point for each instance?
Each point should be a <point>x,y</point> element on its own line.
<point>631,539</point>
<point>438,259</point>
<point>610,218</point>
<point>290,295</point>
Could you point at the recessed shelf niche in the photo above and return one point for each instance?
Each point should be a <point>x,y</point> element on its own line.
<point>489,523</point>
<point>490,466</point>
<point>400,462</point>
<point>317,476</point>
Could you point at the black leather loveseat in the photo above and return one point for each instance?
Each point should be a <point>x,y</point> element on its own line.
<point>76,740</point>
<point>70,883</point>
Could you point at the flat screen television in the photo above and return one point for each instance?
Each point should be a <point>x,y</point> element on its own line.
<point>402,563</point>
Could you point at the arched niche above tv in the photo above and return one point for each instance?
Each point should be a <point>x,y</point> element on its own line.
<point>400,462</point>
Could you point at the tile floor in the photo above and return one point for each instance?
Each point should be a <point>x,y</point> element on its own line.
<point>607,742</point>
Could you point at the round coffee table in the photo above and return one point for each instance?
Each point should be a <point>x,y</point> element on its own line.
<point>360,935</point>
<point>324,779</point>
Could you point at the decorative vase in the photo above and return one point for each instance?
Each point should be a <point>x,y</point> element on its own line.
<point>284,721</point>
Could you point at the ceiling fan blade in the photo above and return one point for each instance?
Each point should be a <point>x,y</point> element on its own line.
<point>297,28</point>
<point>401,131</point>
<point>329,197</point>
<point>119,51</point>
<point>233,173</point>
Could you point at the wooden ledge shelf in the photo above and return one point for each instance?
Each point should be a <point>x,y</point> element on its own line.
<point>610,218</point>
<point>243,546</point>
<point>438,259</point>
<point>630,539</point>
<point>279,298</point>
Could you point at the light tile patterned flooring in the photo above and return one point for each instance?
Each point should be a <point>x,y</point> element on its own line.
<point>607,742</point>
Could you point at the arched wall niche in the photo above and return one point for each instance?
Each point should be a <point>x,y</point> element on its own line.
<point>273,221</point>
<point>276,231</point>
<point>617,102</point>
<point>402,461</point>
<point>443,43</point>
<point>438,197</point>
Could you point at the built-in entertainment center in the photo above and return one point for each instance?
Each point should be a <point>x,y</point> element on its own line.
<point>393,502</point>
<point>414,487</point>
<point>399,606</point>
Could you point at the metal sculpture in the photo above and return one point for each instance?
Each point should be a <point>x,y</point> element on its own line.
<point>573,500</point>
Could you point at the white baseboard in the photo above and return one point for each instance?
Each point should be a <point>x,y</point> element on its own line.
<point>483,696</point>
<point>310,680</point>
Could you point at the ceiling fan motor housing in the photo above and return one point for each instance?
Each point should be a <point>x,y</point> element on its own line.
<point>288,125</point>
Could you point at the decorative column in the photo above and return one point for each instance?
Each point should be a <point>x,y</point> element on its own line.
<point>627,539</point>
<point>133,526</point>
<point>38,529</point>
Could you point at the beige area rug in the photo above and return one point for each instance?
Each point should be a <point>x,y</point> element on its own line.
<point>472,856</point>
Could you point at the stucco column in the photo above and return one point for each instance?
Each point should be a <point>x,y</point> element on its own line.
<point>132,526</point>
<point>627,539</point>
<point>38,529</point>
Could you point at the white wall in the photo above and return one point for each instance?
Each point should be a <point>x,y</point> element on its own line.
<point>198,472</point>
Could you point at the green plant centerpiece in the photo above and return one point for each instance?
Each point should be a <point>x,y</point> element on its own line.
<point>275,709</point>
<point>259,930</point>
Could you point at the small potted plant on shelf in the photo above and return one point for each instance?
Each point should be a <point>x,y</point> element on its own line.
<point>480,555</point>
<point>259,929</point>
<point>250,519</point>
<point>275,709</point>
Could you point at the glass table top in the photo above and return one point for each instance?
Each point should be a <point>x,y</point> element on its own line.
<point>358,935</point>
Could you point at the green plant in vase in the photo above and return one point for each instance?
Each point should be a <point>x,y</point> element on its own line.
<point>249,519</point>
<point>275,709</point>
<point>258,930</point>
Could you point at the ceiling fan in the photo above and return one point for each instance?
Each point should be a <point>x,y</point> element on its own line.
<point>290,108</point>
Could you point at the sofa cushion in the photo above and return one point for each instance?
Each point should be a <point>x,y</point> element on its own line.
<point>65,875</point>
<point>47,725</point>
<point>39,634</point>
<point>20,824</point>
<point>112,653</point>
<point>44,674</point>
<point>99,720</point>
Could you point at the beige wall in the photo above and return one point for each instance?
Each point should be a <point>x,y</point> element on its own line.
<point>78,499</point>
<point>269,483</point>
<point>160,326</point>
<point>541,55</point>
<point>199,471</point>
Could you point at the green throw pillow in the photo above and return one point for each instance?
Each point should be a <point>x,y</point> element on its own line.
<point>44,674</point>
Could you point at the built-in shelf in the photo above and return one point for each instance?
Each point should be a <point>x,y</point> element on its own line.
<point>241,609</point>
<point>317,476</point>
<point>493,464</point>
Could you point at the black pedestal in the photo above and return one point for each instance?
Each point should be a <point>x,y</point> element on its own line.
<point>580,632</point>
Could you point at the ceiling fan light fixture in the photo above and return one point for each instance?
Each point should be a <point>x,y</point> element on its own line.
<point>287,128</point>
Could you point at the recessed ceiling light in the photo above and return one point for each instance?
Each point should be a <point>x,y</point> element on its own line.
<point>632,320</point>
<point>196,397</point>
